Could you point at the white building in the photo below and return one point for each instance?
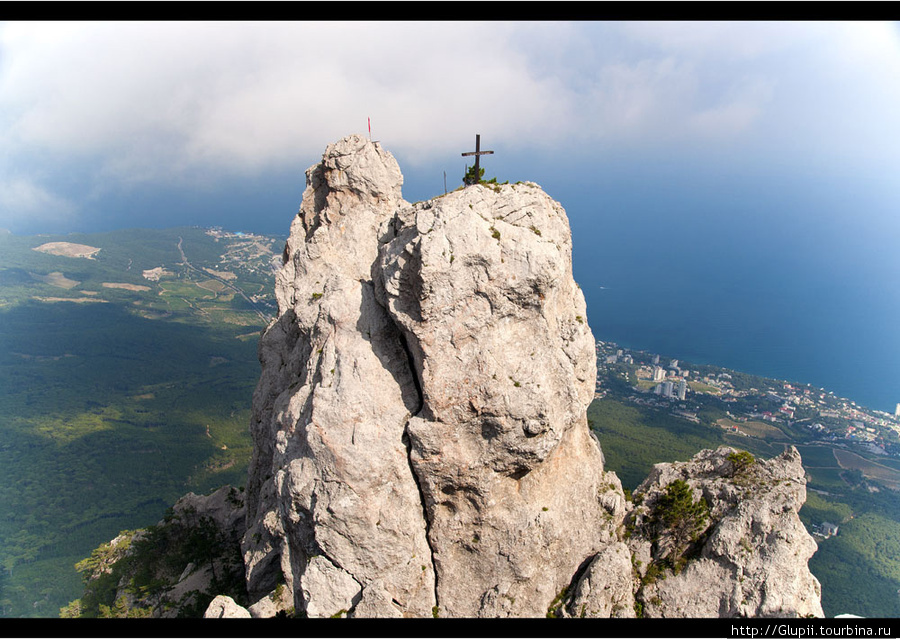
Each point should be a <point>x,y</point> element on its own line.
<point>665,389</point>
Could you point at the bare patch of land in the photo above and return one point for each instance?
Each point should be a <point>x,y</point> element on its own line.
<point>127,287</point>
<point>754,429</point>
<point>56,279</point>
<point>849,460</point>
<point>68,299</point>
<point>68,249</point>
<point>700,387</point>
<point>154,274</point>
<point>225,275</point>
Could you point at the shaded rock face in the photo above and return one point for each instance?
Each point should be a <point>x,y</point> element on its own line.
<point>421,441</point>
<point>211,525</point>
<point>333,504</point>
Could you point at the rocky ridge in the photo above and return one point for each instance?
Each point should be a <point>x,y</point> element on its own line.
<point>421,443</point>
<point>421,446</point>
<point>729,544</point>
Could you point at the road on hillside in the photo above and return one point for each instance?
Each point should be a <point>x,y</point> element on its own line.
<point>184,260</point>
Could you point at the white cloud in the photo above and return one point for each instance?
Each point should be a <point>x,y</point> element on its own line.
<point>195,101</point>
<point>160,98</point>
<point>23,201</point>
<point>727,41</point>
<point>737,111</point>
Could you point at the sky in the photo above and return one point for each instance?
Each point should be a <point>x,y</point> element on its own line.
<point>92,113</point>
<point>690,156</point>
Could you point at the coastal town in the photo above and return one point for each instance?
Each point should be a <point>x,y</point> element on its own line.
<point>749,402</point>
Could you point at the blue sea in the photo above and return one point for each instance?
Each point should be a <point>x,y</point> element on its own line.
<point>796,280</point>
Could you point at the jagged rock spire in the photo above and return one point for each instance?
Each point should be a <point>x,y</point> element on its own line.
<point>420,428</point>
<point>421,441</point>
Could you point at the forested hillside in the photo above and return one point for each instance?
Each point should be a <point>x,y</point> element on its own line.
<point>125,382</point>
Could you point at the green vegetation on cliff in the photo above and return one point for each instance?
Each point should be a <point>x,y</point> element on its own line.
<point>137,572</point>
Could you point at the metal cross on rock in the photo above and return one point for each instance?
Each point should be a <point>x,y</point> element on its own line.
<point>477,153</point>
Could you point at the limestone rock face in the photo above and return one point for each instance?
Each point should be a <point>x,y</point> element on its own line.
<point>223,607</point>
<point>750,557</point>
<point>333,504</point>
<point>421,444</point>
<point>480,283</point>
<point>606,589</point>
<point>278,601</point>
<point>222,507</point>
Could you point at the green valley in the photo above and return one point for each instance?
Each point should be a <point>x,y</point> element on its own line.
<point>127,366</point>
<point>128,362</point>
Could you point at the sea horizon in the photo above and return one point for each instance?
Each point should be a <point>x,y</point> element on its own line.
<point>780,284</point>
